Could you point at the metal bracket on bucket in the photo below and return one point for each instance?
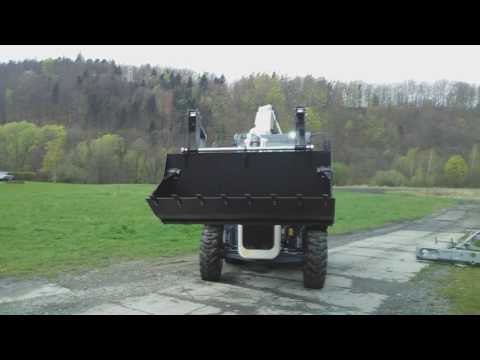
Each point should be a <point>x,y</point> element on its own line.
<point>299,200</point>
<point>177,199</point>
<point>225,199</point>
<point>200,199</point>
<point>300,142</point>
<point>274,199</point>
<point>197,136</point>
<point>249,200</point>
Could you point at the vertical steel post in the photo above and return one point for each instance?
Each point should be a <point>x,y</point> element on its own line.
<point>300,142</point>
<point>192,130</point>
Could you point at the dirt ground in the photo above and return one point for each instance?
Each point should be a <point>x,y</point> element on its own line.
<point>372,272</point>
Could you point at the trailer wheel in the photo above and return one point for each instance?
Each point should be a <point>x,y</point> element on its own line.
<point>316,256</point>
<point>211,253</point>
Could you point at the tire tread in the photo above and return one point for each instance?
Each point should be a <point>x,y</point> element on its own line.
<point>211,253</point>
<point>316,259</point>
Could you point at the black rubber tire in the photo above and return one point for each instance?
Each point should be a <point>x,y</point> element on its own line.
<point>211,253</point>
<point>316,259</point>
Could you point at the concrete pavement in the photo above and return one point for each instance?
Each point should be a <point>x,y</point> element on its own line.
<point>369,273</point>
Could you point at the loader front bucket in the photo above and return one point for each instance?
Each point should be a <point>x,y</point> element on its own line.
<point>265,187</point>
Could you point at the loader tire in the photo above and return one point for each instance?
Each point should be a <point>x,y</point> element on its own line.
<point>211,253</point>
<point>316,256</point>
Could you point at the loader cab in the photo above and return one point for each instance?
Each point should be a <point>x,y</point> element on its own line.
<point>268,133</point>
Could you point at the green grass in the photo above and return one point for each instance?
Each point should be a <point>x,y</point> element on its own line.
<point>361,211</point>
<point>462,288</point>
<point>49,228</point>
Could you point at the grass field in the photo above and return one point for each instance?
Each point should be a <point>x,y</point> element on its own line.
<point>462,288</point>
<point>451,193</point>
<point>49,228</point>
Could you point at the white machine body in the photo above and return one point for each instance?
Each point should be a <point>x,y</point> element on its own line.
<point>260,254</point>
<point>265,124</point>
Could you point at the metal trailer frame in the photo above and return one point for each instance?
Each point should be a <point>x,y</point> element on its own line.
<point>462,251</point>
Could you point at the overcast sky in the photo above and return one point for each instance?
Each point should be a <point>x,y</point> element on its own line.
<point>374,64</point>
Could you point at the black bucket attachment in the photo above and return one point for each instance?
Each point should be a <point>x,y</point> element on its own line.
<point>245,187</point>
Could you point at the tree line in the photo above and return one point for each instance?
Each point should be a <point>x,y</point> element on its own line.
<point>118,122</point>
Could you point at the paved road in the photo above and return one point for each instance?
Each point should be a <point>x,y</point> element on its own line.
<point>369,273</point>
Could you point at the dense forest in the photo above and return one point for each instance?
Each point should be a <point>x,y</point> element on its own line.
<point>98,122</point>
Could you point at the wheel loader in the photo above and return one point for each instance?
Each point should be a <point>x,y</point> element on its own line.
<point>266,198</point>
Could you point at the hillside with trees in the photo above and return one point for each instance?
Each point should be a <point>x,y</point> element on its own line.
<point>93,121</point>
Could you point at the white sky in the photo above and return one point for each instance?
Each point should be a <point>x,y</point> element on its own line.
<point>370,63</point>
